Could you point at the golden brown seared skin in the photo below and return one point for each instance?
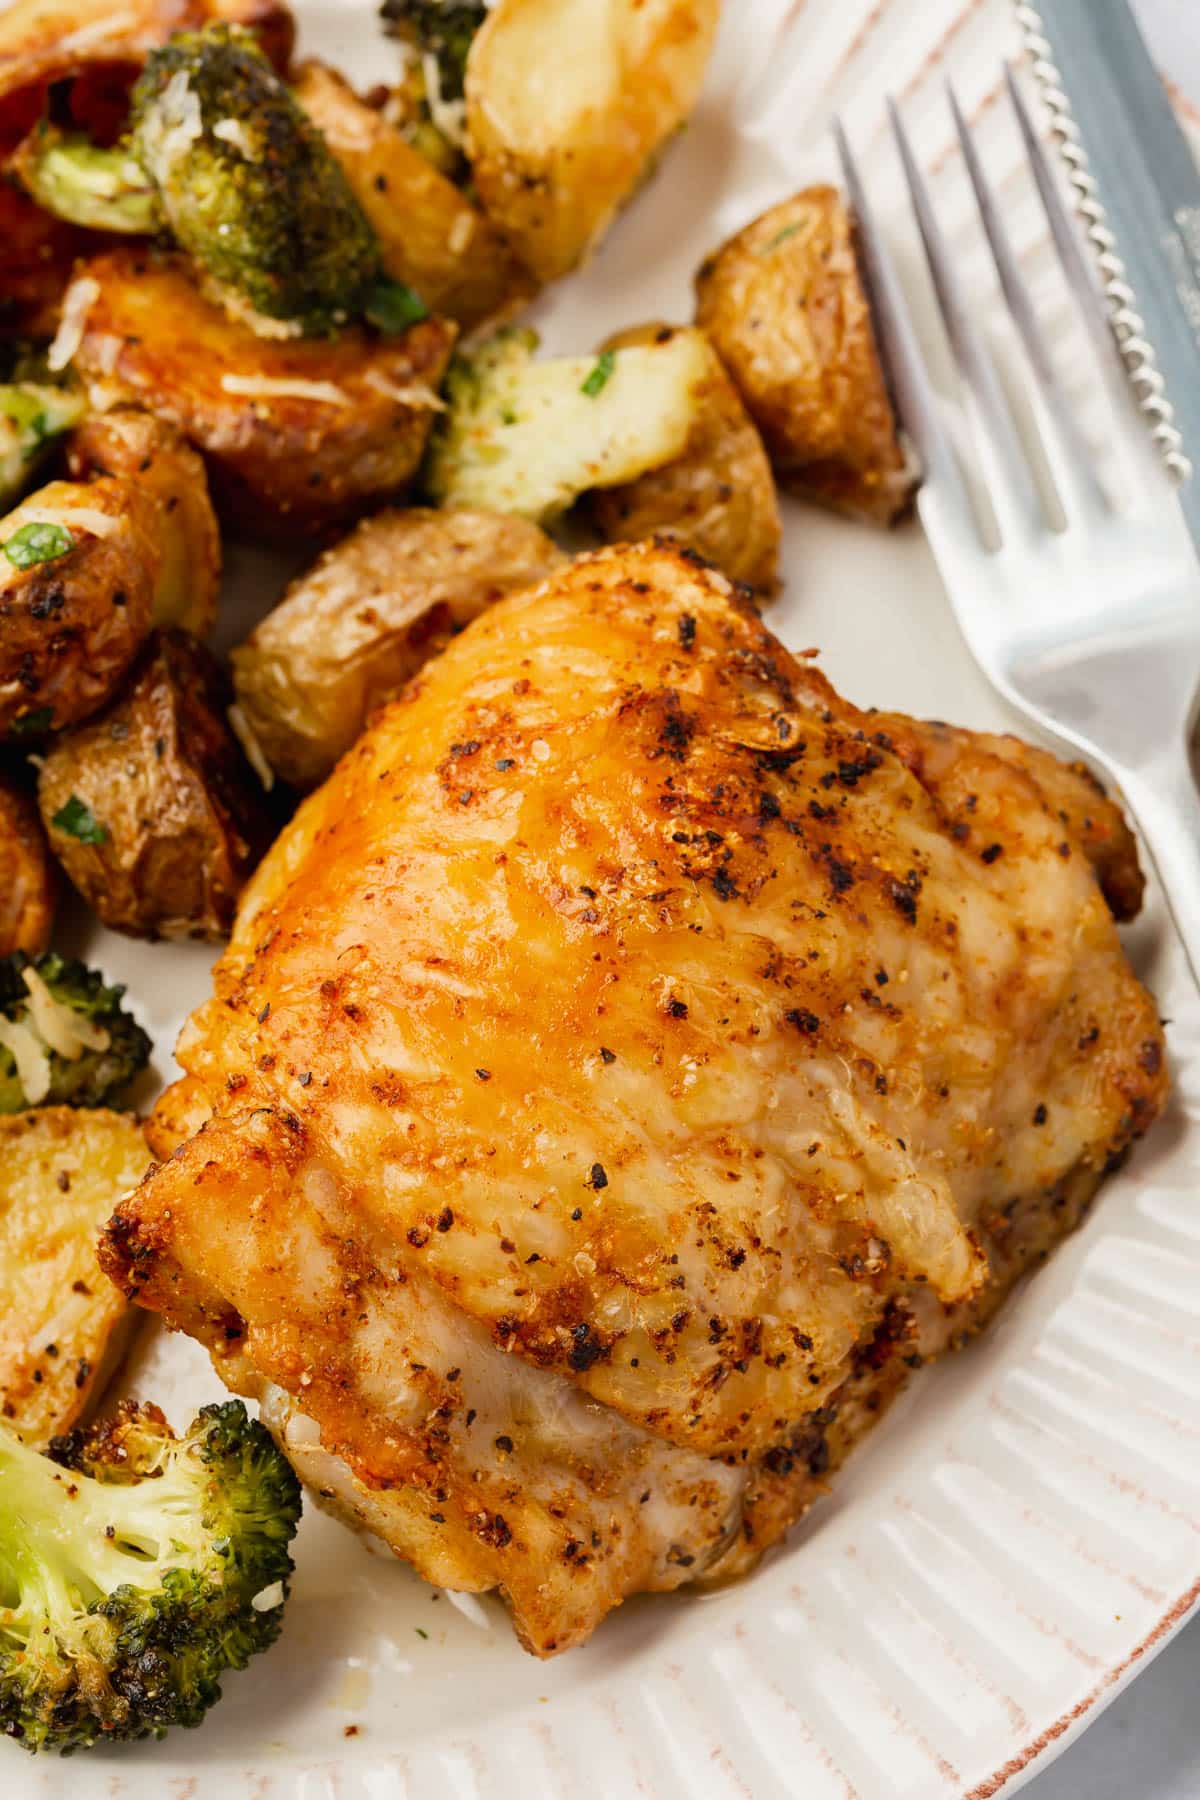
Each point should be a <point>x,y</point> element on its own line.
<point>718,497</point>
<point>153,455</point>
<point>71,626</point>
<point>431,236</point>
<point>784,304</point>
<point>350,632</point>
<point>180,809</point>
<point>351,435</point>
<point>627,1022</point>
<point>27,885</point>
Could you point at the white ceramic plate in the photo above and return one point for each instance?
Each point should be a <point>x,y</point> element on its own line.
<point>1021,1534</point>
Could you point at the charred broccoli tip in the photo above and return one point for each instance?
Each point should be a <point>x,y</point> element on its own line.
<point>136,1568</point>
<point>443,29</point>
<point>247,184</point>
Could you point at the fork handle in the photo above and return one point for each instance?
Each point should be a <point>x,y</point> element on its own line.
<point>1166,805</point>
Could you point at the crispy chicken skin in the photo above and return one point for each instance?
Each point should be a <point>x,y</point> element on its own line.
<point>623,1066</point>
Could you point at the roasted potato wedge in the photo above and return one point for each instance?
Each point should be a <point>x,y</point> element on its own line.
<point>298,434</point>
<point>27,884</point>
<point>63,1324</point>
<point>75,608</point>
<point>99,46</point>
<point>784,304</point>
<point>432,238</point>
<point>567,103</point>
<point>148,451</point>
<point>172,816</point>
<point>718,497</point>
<point>349,634</point>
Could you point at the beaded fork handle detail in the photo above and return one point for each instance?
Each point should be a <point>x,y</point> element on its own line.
<point>1128,326</point>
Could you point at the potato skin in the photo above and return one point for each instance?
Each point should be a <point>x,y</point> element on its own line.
<point>27,883</point>
<point>432,238</point>
<point>70,628</point>
<point>151,453</point>
<point>351,632</point>
<point>182,811</point>
<point>783,303</point>
<point>718,497</point>
<point>567,104</point>
<point>279,464</point>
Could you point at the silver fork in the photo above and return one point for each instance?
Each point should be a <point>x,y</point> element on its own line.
<point>1092,631</point>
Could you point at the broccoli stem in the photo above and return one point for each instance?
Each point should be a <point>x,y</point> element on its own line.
<point>104,190</point>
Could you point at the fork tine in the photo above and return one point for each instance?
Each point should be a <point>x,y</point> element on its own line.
<point>898,343</point>
<point>1009,481</point>
<point>1070,458</point>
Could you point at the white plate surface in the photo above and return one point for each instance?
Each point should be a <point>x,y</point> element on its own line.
<point>1023,1531</point>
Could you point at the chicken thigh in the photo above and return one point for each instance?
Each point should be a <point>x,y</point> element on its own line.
<point>625,1068</point>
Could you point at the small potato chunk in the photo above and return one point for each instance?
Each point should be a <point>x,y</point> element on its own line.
<point>151,453</point>
<point>784,304</point>
<point>63,1324</point>
<point>432,238</point>
<point>567,102</point>
<point>298,434</point>
<point>348,635</point>
<point>26,873</point>
<point>153,810</point>
<point>72,621</point>
<point>718,497</point>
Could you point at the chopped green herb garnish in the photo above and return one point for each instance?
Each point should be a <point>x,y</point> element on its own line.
<point>37,543</point>
<point>421,1631</point>
<point>392,307</point>
<point>780,238</point>
<point>78,820</point>
<point>39,718</point>
<point>601,374</point>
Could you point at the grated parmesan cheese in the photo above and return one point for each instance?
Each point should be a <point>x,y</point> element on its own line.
<point>66,1031</point>
<point>232,131</point>
<point>469,1607</point>
<point>246,736</point>
<point>416,393</point>
<point>31,1057</point>
<point>265,387</point>
<point>268,1598</point>
<point>78,301</point>
<point>97,32</point>
<point>72,518</point>
<point>460,233</point>
<point>450,116</point>
<point>171,127</point>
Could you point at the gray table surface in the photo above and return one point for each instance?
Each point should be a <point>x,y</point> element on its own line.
<point>1146,1746</point>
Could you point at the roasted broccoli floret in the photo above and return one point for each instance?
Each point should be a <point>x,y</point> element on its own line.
<point>527,437</point>
<point>135,1568</point>
<point>246,183</point>
<point>74,179</point>
<point>36,408</point>
<point>441,29</point>
<point>65,1039</point>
